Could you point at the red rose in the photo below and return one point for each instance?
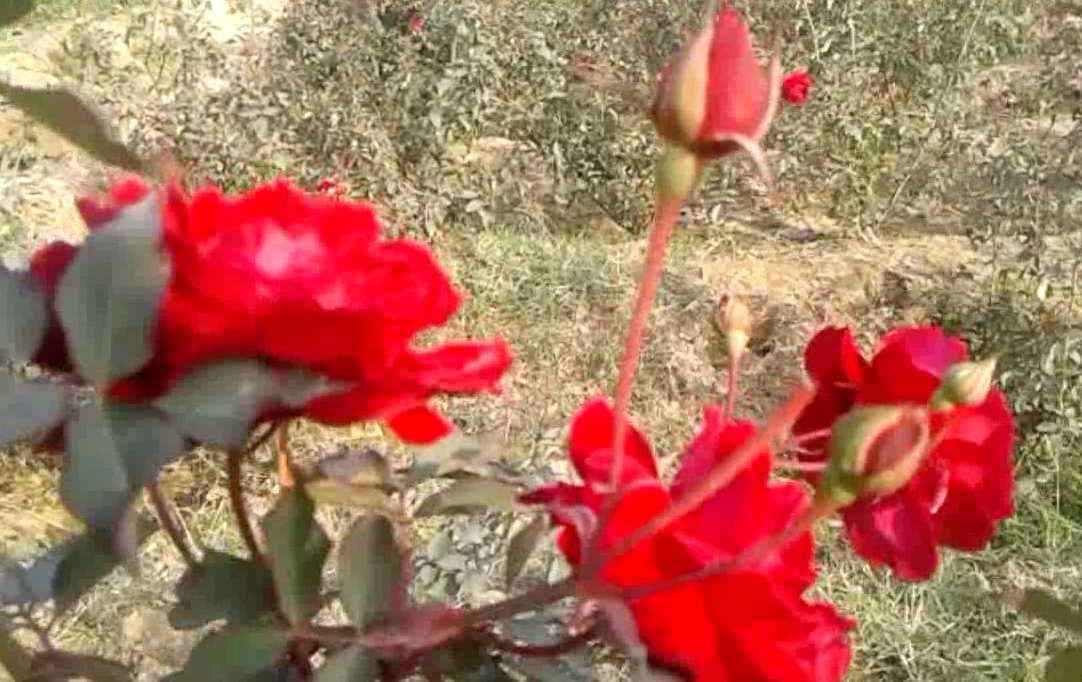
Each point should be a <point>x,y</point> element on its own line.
<point>795,86</point>
<point>962,489</point>
<point>749,624</point>
<point>715,98</point>
<point>306,281</point>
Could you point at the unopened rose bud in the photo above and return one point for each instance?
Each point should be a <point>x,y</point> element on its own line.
<point>965,383</point>
<point>736,322</point>
<point>715,98</point>
<point>874,451</point>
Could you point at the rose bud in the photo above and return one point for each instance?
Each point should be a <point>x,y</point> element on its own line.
<point>874,450</point>
<point>715,98</point>
<point>965,383</point>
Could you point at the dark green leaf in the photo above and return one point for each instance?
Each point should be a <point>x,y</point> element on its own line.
<point>359,467</point>
<point>236,654</point>
<point>522,546</point>
<point>470,495</point>
<point>370,568</point>
<point>350,665</point>
<point>1045,606</point>
<point>68,116</point>
<point>467,661</point>
<point>14,658</point>
<point>335,493</point>
<point>28,407</point>
<point>218,403</point>
<point>222,587</point>
<point>87,561</point>
<point>25,317</point>
<point>12,10</point>
<point>109,296</point>
<point>455,453</point>
<point>111,452</point>
<point>566,668</point>
<point>297,547</point>
<point>1064,666</point>
<point>61,665</point>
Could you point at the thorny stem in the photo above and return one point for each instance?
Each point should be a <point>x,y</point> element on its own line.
<point>664,223</point>
<point>757,551</point>
<point>718,477</point>
<point>167,516</point>
<point>236,491</point>
<point>730,395</point>
<point>528,601</point>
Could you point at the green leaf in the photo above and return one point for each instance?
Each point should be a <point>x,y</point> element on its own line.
<point>61,665</point>
<point>25,316</point>
<point>111,452</point>
<point>467,661</point>
<point>567,668</point>
<point>360,468</point>
<point>297,547</point>
<point>335,493</point>
<point>12,10</point>
<point>218,403</point>
<point>236,654</point>
<point>455,453</point>
<point>349,665</point>
<point>68,116</point>
<point>108,298</point>
<point>1045,606</point>
<point>222,587</point>
<point>86,562</point>
<point>28,407</point>
<point>522,545</point>
<point>14,658</point>
<point>370,568</point>
<point>1064,666</point>
<point>470,495</point>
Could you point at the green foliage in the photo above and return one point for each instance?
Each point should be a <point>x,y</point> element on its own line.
<point>349,665</point>
<point>111,452</point>
<point>297,548</point>
<point>219,403</point>
<point>222,587</point>
<point>371,568</point>
<point>28,408</point>
<point>240,654</point>
<point>22,307</point>
<point>69,116</point>
<point>109,296</point>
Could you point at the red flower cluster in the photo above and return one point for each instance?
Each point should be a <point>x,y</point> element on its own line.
<point>795,86</point>
<point>964,486</point>
<point>296,280</point>
<point>749,624</point>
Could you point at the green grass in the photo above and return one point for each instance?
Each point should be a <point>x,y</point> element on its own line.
<point>935,161</point>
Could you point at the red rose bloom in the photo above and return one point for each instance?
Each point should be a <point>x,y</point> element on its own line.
<point>304,281</point>
<point>715,98</point>
<point>749,624</point>
<point>795,86</point>
<point>964,486</point>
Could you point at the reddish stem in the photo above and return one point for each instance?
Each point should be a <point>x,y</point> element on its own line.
<point>546,650</point>
<point>720,476</point>
<point>236,491</point>
<point>167,516</point>
<point>664,223</point>
<point>730,395</point>
<point>749,556</point>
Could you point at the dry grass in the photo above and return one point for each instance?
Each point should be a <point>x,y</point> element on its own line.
<point>904,200</point>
